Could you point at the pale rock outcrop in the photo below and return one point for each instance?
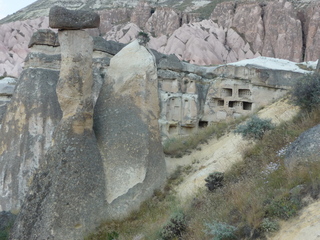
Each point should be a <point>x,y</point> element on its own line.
<point>312,32</point>
<point>123,34</point>
<point>14,39</point>
<point>111,17</point>
<point>223,14</point>
<point>247,20</point>
<point>126,125</point>
<point>164,21</point>
<point>207,43</point>
<point>141,13</point>
<point>66,196</point>
<point>283,32</point>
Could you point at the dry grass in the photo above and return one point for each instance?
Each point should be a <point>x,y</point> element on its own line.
<point>257,192</point>
<point>178,146</point>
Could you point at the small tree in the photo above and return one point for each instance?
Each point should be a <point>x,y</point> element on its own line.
<point>306,92</point>
<point>143,38</point>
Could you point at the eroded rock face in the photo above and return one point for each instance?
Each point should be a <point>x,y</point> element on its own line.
<point>235,32</point>
<point>127,130</point>
<point>66,199</point>
<point>164,21</point>
<point>312,29</point>
<point>26,133</point>
<point>283,33</point>
<point>247,20</point>
<point>14,39</point>
<point>306,148</point>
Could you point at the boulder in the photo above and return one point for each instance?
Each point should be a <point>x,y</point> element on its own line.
<point>126,125</point>
<point>305,148</point>
<point>63,18</point>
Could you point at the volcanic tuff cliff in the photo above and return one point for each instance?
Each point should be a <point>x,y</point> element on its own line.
<point>234,30</point>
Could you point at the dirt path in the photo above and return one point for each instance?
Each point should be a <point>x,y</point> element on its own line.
<point>306,226</point>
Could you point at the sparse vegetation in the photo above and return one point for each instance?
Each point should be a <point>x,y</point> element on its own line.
<point>221,231</point>
<point>214,180</point>
<point>143,38</point>
<point>254,128</point>
<point>306,92</point>
<point>256,193</point>
<point>178,146</point>
<point>175,227</point>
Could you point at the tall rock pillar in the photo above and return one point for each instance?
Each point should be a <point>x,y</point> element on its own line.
<point>66,198</point>
<point>126,125</point>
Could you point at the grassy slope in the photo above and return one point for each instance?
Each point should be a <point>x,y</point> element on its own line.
<point>257,193</point>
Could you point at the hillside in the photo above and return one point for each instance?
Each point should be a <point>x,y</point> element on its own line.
<point>198,32</point>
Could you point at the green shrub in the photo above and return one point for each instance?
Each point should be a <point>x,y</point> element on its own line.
<point>284,208</point>
<point>112,236</point>
<point>175,227</point>
<point>214,180</point>
<point>269,225</point>
<point>306,92</point>
<point>4,235</point>
<point>254,128</point>
<point>221,231</point>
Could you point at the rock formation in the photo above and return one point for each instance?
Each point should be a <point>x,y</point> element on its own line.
<point>75,187</point>
<point>27,126</point>
<point>66,197</point>
<point>235,31</point>
<point>126,125</point>
<point>304,149</point>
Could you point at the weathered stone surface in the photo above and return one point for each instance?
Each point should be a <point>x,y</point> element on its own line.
<point>66,198</point>
<point>26,133</point>
<point>44,37</point>
<point>283,32</point>
<point>224,13</point>
<point>247,20</point>
<point>14,39</point>
<point>141,13</point>
<point>305,148</point>
<point>127,130</point>
<point>312,32</point>
<point>164,21</point>
<point>63,18</point>
<point>238,31</point>
<point>111,47</point>
<point>111,17</point>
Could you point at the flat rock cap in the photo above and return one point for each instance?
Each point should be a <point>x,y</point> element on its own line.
<point>44,37</point>
<point>64,19</point>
